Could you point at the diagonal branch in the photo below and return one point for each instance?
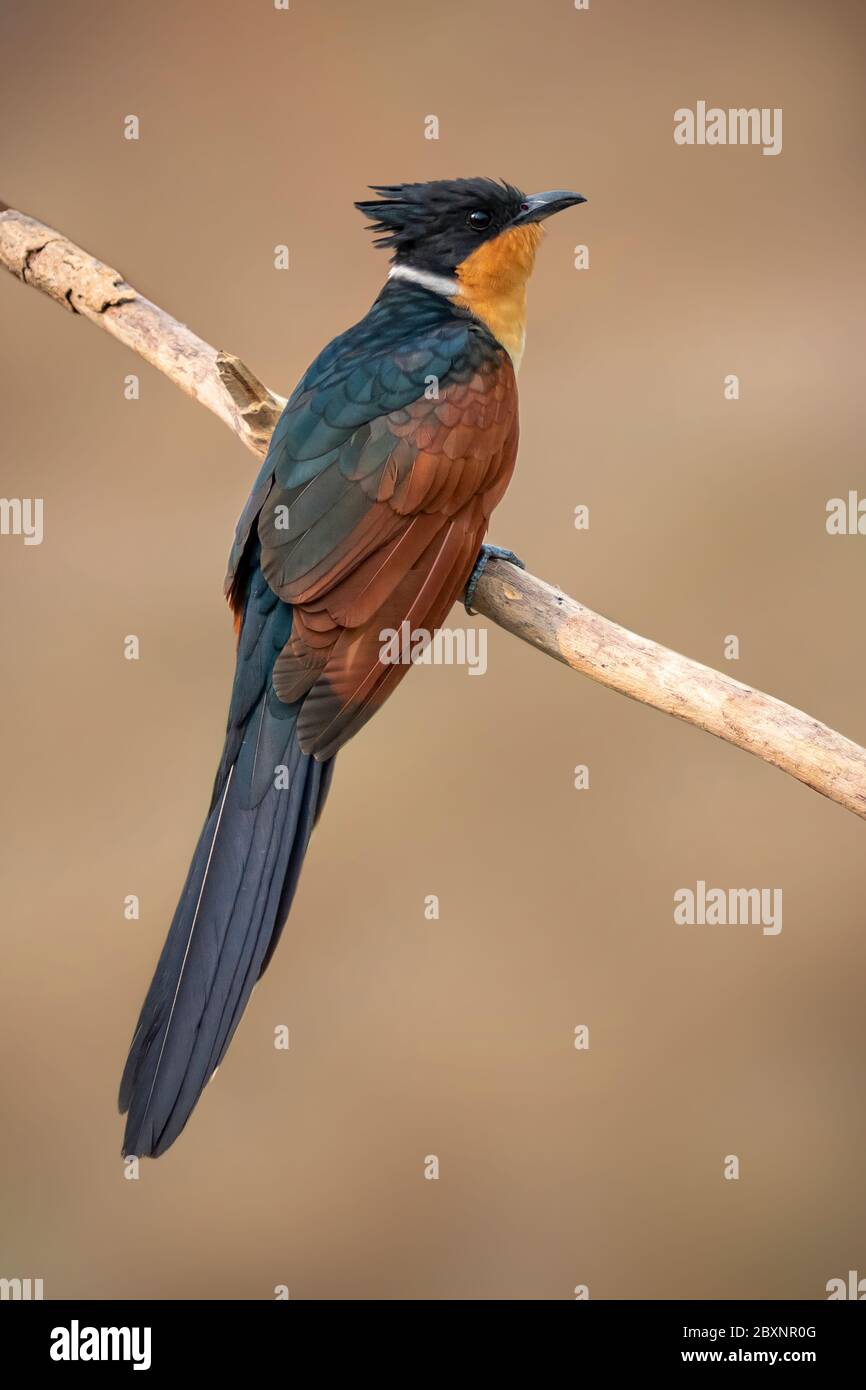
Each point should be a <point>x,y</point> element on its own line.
<point>517,601</point>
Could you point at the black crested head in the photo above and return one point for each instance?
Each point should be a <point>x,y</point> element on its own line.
<point>435,226</point>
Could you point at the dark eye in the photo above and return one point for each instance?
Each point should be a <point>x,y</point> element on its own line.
<point>479,219</point>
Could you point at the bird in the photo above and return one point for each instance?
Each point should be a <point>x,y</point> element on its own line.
<point>370,511</point>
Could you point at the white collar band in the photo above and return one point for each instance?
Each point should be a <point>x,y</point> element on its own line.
<point>439,284</point>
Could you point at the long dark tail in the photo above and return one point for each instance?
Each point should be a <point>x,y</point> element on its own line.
<point>237,894</point>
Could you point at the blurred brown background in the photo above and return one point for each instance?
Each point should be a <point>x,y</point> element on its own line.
<point>410,1038</point>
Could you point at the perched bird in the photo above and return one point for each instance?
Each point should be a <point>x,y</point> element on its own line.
<point>370,510</point>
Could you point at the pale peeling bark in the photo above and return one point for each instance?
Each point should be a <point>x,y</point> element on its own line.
<point>49,262</point>
<point>521,604</point>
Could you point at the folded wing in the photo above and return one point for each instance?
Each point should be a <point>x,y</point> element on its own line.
<point>371,509</point>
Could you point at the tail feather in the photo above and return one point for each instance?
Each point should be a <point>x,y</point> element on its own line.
<point>237,894</point>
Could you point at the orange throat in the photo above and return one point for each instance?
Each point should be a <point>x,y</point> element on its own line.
<point>493,285</point>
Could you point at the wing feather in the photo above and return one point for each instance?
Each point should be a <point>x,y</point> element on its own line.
<point>385,529</point>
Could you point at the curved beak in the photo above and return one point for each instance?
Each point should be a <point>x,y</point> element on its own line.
<point>542,205</point>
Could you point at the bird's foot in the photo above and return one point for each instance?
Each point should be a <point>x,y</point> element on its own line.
<point>487,552</point>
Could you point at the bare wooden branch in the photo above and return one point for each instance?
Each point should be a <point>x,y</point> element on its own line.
<point>655,675</point>
<point>50,262</point>
<point>521,604</point>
